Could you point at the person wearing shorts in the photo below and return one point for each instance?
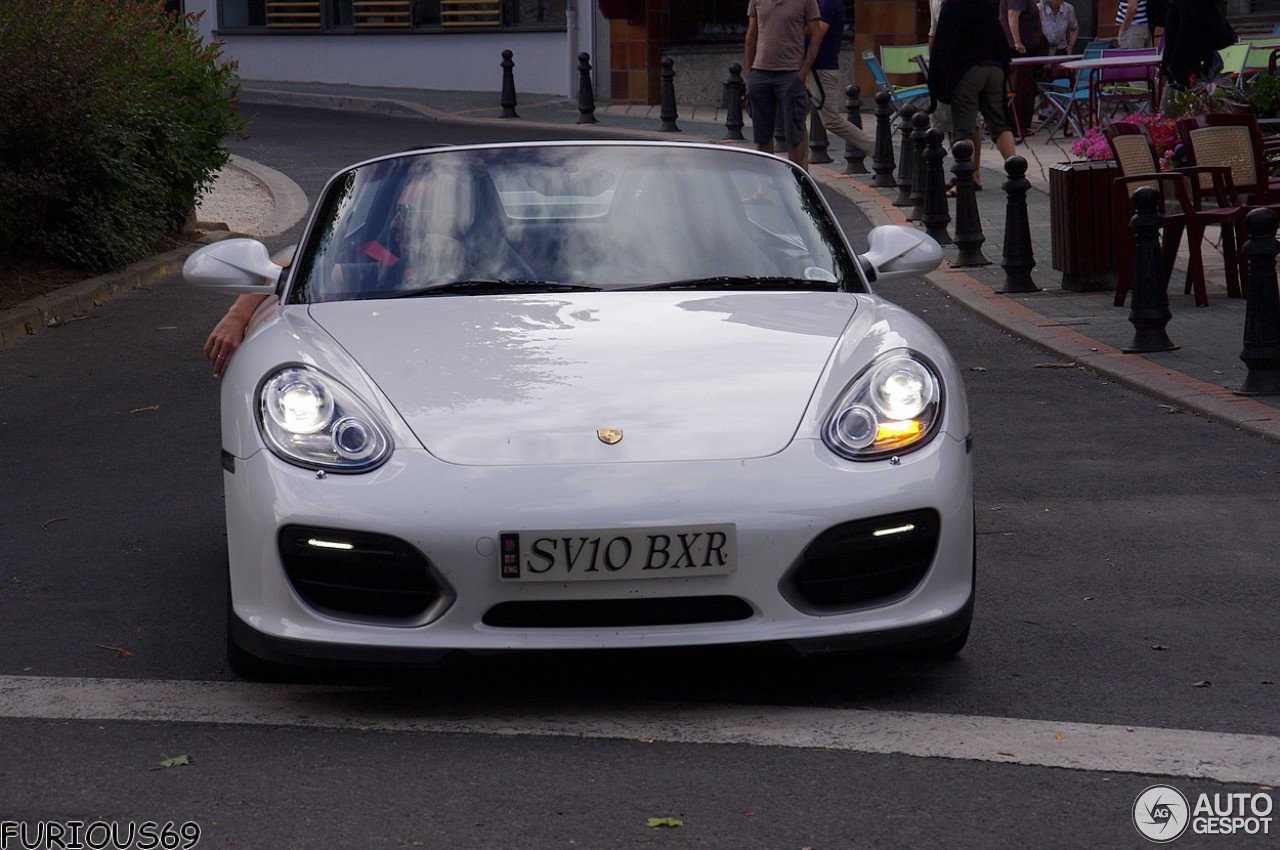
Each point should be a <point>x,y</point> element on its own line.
<point>783,37</point>
<point>941,115</point>
<point>969,68</point>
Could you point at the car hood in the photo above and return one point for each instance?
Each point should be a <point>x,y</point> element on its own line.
<point>538,379</point>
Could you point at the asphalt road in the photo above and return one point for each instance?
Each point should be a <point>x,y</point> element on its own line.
<point>1127,578</point>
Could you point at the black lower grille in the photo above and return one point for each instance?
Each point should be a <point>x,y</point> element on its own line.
<point>357,575</point>
<point>616,613</point>
<point>867,562</point>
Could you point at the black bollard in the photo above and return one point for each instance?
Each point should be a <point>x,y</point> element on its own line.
<point>508,86</point>
<point>668,114</point>
<point>1019,259</point>
<point>586,94</point>
<point>1261,352</point>
<point>734,91</point>
<point>882,157</point>
<point>937,213</point>
<point>818,143</point>
<point>1149,308</point>
<point>854,156</point>
<point>919,130</point>
<point>904,159</point>
<point>969,236</point>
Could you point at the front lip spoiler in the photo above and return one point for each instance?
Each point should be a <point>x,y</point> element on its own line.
<point>905,640</point>
<point>296,653</point>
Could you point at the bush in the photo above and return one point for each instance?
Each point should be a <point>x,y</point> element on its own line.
<point>112,118</point>
<point>1263,94</point>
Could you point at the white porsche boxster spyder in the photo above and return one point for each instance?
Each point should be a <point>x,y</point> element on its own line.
<point>586,395</point>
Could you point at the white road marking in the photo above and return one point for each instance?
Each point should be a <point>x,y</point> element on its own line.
<point>1237,758</point>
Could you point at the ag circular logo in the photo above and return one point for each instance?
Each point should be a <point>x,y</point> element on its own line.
<point>1161,813</point>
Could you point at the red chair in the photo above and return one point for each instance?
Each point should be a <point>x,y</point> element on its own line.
<point>1236,141</point>
<point>1182,203</point>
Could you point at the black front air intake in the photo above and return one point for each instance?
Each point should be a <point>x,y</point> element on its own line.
<point>863,563</point>
<point>356,575</point>
<point>616,613</point>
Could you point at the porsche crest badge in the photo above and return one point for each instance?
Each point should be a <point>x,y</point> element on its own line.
<point>609,436</point>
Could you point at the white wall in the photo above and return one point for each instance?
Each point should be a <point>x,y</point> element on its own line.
<point>545,62</point>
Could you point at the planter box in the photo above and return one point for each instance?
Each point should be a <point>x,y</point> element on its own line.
<point>1082,226</point>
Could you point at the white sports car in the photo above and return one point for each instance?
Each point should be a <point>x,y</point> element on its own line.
<point>587,395</point>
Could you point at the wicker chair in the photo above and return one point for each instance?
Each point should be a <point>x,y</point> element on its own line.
<point>1236,141</point>
<point>1183,206</point>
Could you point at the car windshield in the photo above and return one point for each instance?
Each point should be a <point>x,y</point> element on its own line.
<point>556,218</point>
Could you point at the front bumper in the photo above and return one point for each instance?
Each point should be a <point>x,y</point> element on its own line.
<point>452,516</point>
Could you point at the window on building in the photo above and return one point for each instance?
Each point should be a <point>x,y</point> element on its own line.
<point>389,15</point>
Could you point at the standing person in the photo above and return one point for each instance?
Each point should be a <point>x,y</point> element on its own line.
<point>941,115</point>
<point>1131,18</point>
<point>968,69</point>
<point>826,73</point>
<point>1195,30</point>
<point>1021,22</point>
<point>1157,13</point>
<point>1061,28</point>
<point>777,59</point>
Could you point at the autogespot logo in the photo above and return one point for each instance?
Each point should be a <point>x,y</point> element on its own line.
<point>1161,814</point>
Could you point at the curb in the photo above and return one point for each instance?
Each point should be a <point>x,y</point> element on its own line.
<point>77,300</point>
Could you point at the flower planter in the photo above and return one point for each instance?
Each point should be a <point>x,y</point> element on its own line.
<point>1082,224</point>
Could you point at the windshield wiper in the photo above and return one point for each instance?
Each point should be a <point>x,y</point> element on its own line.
<point>780,282</point>
<point>488,287</point>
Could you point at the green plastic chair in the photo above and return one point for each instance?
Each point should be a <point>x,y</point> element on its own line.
<point>1234,59</point>
<point>899,60</point>
<point>916,96</point>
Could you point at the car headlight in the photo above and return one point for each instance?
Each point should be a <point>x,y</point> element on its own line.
<point>310,419</point>
<point>892,407</point>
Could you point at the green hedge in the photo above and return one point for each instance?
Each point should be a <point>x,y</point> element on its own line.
<point>112,119</point>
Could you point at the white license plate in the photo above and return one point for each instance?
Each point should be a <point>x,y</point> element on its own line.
<point>618,553</point>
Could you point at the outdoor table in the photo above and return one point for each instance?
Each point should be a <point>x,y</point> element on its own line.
<point>1102,63</point>
<point>1045,60</point>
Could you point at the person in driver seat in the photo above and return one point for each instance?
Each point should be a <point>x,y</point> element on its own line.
<point>421,246</point>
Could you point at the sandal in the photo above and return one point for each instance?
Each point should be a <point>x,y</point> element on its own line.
<point>951,188</point>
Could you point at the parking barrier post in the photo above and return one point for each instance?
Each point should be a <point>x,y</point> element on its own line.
<point>1149,308</point>
<point>586,94</point>
<point>1019,258</point>
<point>818,141</point>
<point>734,90</point>
<point>668,114</point>
<point>904,158</point>
<point>508,86</point>
<point>1261,352</point>
<point>919,129</point>
<point>937,213</point>
<point>854,156</point>
<point>969,236</point>
<point>882,157</point>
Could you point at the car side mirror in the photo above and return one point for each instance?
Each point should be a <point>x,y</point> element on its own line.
<point>233,265</point>
<point>896,251</point>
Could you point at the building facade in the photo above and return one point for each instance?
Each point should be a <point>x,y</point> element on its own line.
<point>458,44</point>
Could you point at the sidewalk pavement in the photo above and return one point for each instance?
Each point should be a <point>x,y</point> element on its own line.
<point>1081,328</point>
